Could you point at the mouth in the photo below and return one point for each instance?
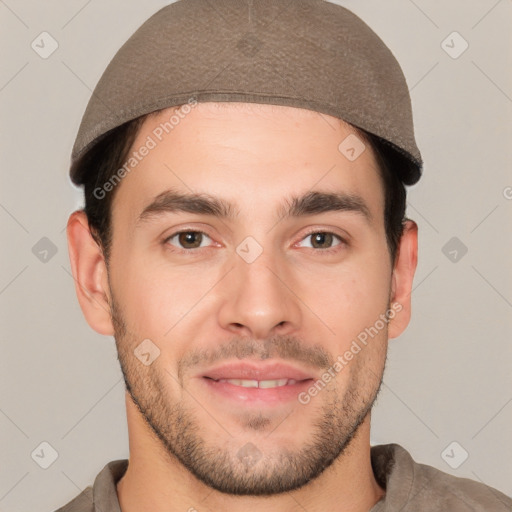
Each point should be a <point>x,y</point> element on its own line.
<point>262,384</point>
<point>257,371</point>
<point>255,383</point>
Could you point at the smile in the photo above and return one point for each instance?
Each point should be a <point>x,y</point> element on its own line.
<point>264,384</point>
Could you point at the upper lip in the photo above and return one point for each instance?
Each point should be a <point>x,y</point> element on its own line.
<point>256,371</point>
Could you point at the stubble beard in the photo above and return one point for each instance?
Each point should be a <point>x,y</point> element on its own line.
<point>244,468</point>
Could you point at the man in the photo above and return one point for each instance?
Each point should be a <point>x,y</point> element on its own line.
<point>244,240</point>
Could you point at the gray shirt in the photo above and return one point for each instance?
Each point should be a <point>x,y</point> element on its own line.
<point>410,487</point>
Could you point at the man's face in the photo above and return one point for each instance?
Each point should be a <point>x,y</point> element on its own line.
<point>236,296</point>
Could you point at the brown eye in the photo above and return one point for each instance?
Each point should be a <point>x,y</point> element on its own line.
<point>188,239</point>
<point>321,240</point>
<point>324,242</point>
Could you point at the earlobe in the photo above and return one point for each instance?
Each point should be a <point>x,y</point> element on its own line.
<point>402,279</point>
<point>90,274</point>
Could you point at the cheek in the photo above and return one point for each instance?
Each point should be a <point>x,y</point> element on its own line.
<point>158,300</point>
<point>348,299</point>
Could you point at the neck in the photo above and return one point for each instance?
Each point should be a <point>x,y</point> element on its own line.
<point>158,482</point>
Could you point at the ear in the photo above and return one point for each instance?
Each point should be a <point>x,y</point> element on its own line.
<point>402,278</point>
<point>90,274</point>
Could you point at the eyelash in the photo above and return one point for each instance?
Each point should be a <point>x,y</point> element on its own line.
<point>328,251</point>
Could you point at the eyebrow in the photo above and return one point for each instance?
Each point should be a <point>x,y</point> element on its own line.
<point>316,202</point>
<point>310,203</point>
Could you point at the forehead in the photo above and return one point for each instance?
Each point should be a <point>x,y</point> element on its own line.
<point>250,154</point>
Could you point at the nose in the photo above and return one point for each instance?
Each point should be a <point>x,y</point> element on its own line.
<point>259,299</point>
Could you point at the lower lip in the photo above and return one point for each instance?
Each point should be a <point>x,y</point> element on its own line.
<point>259,396</point>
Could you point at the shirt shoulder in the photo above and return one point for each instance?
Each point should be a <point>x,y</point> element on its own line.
<point>82,503</point>
<point>102,496</point>
<point>411,486</point>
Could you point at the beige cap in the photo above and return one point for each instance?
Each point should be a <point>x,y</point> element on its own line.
<point>309,54</point>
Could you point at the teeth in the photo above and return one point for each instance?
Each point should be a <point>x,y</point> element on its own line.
<point>272,383</point>
<point>264,384</point>
<point>243,383</point>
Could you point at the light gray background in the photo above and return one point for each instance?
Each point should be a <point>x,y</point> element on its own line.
<point>448,377</point>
